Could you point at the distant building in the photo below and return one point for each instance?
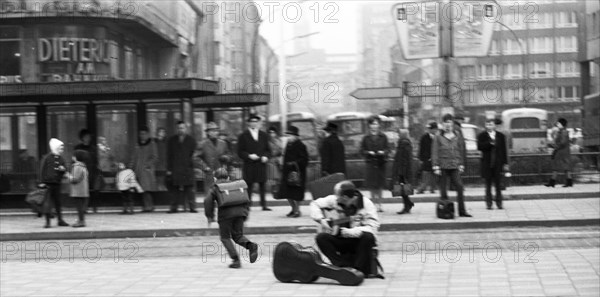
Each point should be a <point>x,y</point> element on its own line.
<point>545,73</point>
<point>590,73</point>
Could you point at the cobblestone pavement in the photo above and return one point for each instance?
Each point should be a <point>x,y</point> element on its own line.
<point>470,262</point>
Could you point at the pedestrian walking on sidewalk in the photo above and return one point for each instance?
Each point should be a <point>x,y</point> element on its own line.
<point>494,160</point>
<point>561,155</point>
<point>375,149</point>
<point>52,170</point>
<point>402,168</point>
<point>231,221</point>
<point>78,177</point>
<point>180,169</point>
<point>143,164</point>
<point>447,155</point>
<point>293,177</point>
<point>253,149</point>
<point>428,178</point>
<point>129,187</point>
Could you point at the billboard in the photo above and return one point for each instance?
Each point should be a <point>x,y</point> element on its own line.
<point>417,27</point>
<point>472,27</point>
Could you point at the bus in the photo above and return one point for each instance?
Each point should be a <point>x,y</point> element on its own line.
<point>353,126</point>
<point>306,123</point>
<point>526,129</point>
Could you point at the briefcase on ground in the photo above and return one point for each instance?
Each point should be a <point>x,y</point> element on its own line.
<point>323,187</point>
<point>232,193</point>
<point>445,209</point>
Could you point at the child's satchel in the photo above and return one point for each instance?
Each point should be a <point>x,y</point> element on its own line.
<point>232,193</point>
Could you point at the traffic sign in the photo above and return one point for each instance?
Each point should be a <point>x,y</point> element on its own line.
<point>377,93</point>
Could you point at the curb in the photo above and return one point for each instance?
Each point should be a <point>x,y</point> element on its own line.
<point>419,198</point>
<point>446,225</point>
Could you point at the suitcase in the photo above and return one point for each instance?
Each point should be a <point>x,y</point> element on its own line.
<point>232,193</point>
<point>323,186</point>
<point>445,209</point>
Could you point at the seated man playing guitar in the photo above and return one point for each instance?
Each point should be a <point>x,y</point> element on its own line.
<point>348,225</point>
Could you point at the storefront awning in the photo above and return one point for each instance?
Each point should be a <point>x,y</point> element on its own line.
<point>107,90</point>
<point>232,100</point>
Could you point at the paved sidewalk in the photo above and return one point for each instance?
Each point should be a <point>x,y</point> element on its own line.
<point>516,213</point>
<point>554,272</point>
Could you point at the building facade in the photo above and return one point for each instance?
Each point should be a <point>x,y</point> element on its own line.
<point>534,64</point>
<point>113,67</point>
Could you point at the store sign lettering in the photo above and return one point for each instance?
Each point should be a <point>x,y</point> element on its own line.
<point>8,79</point>
<point>86,52</point>
<point>66,49</point>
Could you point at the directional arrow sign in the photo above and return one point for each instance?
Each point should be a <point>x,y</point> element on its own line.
<point>377,93</point>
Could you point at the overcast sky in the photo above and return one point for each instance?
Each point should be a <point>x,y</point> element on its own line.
<point>336,22</point>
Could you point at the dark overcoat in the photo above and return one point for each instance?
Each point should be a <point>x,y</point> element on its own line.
<point>375,165</point>
<point>333,158</point>
<point>253,171</point>
<point>425,152</point>
<point>561,156</point>
<point>493,154</point>
<point>295,153</point>
<point>403,161</point>
<point>180,160</point>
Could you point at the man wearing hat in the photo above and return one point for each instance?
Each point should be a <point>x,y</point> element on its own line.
<point>494,160</point>
<point>210,150</point>
<point>428,179</point>
<point>333,159</point>
<point>253,149</point>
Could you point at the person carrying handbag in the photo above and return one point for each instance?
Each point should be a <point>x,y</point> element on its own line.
<point>293,177</point>
<point>402,170</point>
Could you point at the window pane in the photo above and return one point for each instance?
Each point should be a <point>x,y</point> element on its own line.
<point>163,115</point>
<point>10,58</point>
<point>19,160</point>
<point>117,135</point>
<point>64,123</point>
<point>525,123</point>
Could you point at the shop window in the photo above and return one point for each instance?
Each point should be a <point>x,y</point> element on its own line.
<point>163,115</point>
<point>18,149</point>
<point>117,135</point>
<point>64,123</point>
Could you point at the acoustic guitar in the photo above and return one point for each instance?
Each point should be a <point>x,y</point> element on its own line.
<point>293,262</point>
<point>339,218</point>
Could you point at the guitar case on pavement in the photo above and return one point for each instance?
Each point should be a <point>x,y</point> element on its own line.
<point>293,262</point>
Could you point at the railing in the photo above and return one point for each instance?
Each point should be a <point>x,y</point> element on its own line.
<point>526,169</point>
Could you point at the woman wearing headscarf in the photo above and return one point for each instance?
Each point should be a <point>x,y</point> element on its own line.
<point>561,156</point>
<point>402,169</point>
<point>52,169</point>
<point>375,149</point>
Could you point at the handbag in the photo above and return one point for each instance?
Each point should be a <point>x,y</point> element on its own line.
<point>36,199</point>
<point>293,178</point>
<point>400,189</point>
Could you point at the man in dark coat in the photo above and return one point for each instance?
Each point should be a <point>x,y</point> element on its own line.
<point>425,157</point>
<point>494,160</point>
<point>253,149</point>
<point>91,163</point>
<point>180,169</point>
<point>333,159</point>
